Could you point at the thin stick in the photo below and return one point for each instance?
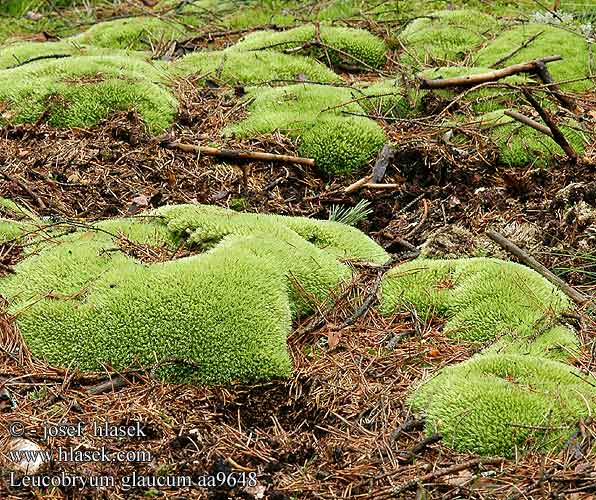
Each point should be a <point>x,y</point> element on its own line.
<point>554,89</point>
<point>558,136</point>
<point>529,122</point>
<point>373,185</point>
<point>29,191</point>
<point>516,50</point>
<point>530,261</point>
<point>235,154</point>
<point>491,76</point>
<point>358,184</point>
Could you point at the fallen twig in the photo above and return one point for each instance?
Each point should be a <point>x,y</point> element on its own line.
<point>516,50</point>
<point>530,261</point>
<point>355,186</point>
<point>410,455</point>
<point>235,154</point>
<point>491,76</point>
<point>529,122</point>
<point>554,89</point>
<point>558,136</point>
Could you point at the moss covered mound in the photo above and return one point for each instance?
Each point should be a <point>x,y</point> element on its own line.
<point>388,98</point>
<point>554,40</point>
<point>521,145</point>
<point>497,404</point>
<point>483,300</point>
<point>241,68</point>
<point>134,33</point>
<point>80,91</point>
<point>19,54</point>
<point>446,35</point>
<point>313,114</point>
<point>81,301</point>
<point>350,46</point>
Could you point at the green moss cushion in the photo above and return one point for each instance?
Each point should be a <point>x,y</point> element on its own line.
<point>134,33</point>
<point>446,35</point>
<point>553,41</point>
<point>18,54</point>
<point>314,115</point>
<point>505,404</point>
<point>240,68</point>
<point>341,45</point>
<point>483,300</point>
<point>520,145</point>
<point>80,301</point>
<point>80,91</point>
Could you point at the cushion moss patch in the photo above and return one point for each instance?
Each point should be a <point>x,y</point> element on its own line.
<point>222,314</point>
<point>520,145</point>
<point>314,114</point>
<point>80,91</point>
<point>553,40</point>
<point>240,68</point>
<point>135,33</point>
<point>482,299</point>
<point>350,46</point>
<point>446,35</point>
<point>501,404</point>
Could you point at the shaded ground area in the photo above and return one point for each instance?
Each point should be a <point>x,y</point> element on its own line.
<point>339,426</point>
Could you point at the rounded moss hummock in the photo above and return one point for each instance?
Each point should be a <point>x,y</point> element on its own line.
<point>134,33</point>
<point>520,145</point>
<point>222,314</point>
<point>314,115</point>
<point>550,40</point>
<point>241,68</point>
<point>501,404</point>
<point>80,91</point>
<point>482,299</point>
<point>355,47</point>
<point>446,35</point>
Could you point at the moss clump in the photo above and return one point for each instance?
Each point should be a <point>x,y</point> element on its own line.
<point>81,91</point>
<point>226,311</point>
<point>520,145</point>
<point>554,40</point>
<point>135,33</point>
<point>387,98</point>
<point>482,299</point>
<point>242,68</point>
<point>446,35</point>
<point>497,404</point>
<point>18,54</point>
<point>341,145</point>
<point>312,114</point>
<point>341,45</point>
<point>484,100</point>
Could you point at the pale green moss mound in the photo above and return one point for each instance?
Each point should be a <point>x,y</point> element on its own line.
<point>340,143</point>
<point>446,35</point>
<point>484,100</point>
<point>553,41</point>
<point>18,54</point>
<point>502,404</point>
<point>134,33</point>
<point>387,98</point>
<point>226,312</point>
<point>350,46</point>
<point>241,68</point>
<point>81,91</point>
<point>520,145</point>
<point>483,300</point>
